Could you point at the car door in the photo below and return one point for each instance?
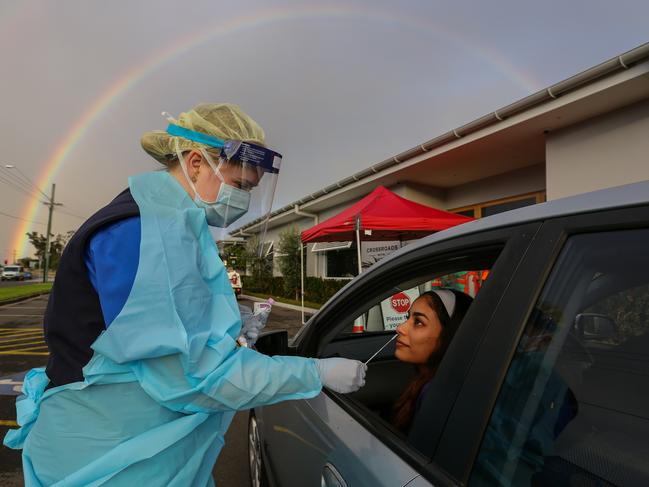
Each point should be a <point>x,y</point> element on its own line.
<point>558,392</point>
<point>336,439</point>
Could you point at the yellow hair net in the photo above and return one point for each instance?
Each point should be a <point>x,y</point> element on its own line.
<point>223,120</point>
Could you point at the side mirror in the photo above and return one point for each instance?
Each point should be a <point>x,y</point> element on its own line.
<point>593,326</point>
<point>273,342</point>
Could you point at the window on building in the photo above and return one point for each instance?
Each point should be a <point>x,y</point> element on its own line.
<point>509,205</point>
<point>488,208</point>
<point>268,249</point>
<point>341,263</point>
<point>469,213</point>
<point>327,246</point>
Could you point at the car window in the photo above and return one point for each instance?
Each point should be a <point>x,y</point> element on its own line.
<point>574,405</point>
<point>387,379</point>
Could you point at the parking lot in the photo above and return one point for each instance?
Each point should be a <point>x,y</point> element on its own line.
<point>22,347</point>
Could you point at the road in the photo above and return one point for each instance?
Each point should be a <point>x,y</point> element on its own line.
<point>22,348</point>
<point>19,283</point>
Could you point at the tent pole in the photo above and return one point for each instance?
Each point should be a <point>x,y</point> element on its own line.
<point>302,277</point>
<point>358,244</point>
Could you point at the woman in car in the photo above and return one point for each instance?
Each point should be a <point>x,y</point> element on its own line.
<point>432,321</point>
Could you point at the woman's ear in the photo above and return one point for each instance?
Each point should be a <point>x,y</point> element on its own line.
<point>194,159</point>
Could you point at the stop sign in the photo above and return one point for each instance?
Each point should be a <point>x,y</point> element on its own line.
<point>400,302</point>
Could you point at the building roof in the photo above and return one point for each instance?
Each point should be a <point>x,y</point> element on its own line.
<point>614,83</point>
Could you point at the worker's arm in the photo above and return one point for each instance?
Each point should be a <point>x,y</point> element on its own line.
<point>242,380</point>
<point>112,257</point>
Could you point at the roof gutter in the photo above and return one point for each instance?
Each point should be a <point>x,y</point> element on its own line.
<point>299,212</point>
<point>619,63</point>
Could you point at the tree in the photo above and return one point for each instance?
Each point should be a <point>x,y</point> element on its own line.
<point>259,264</point>
<point>288,255</point>
<point>57,243</point>
<point>236,256</point>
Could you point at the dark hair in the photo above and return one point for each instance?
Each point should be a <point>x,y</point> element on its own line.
<point>404,408</point>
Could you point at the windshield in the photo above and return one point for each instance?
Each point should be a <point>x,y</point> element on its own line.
<point>11,268</point>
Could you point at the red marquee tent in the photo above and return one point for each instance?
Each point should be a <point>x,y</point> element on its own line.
<point>383,215</point>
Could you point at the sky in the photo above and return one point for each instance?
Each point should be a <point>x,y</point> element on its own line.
<point>337,86</point>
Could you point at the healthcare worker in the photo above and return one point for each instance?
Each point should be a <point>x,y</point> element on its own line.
<point>145,372</point>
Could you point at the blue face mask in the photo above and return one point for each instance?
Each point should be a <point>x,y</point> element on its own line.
<point>231,203</point>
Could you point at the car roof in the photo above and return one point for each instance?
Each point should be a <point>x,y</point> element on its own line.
<point>606,199</point>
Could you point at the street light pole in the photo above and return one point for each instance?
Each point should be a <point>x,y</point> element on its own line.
<point>51,204</point>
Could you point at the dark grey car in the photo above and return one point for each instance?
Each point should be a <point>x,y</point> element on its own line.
<point>545,383</point>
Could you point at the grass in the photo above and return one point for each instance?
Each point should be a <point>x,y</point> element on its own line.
<point>11,293</point>
<point>296,302</point>
<point>16,292</point>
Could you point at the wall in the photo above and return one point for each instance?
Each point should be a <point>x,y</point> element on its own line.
<point>609,150</point>
<point>272,234</point>
<point>425,195</point>
<point>519,181</point>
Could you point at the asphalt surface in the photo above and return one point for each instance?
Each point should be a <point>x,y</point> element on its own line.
<point>19,283</point>
<point>22,348</point>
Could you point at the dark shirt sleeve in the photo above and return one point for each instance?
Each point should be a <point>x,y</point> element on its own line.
<point>112,256</point>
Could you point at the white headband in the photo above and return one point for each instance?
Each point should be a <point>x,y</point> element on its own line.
<point>448,299</point>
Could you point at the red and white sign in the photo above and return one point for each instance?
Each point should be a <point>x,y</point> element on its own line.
<point>395,308</point>
<point>400,302</point>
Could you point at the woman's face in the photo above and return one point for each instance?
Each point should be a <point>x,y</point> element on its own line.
<point>419,334</point>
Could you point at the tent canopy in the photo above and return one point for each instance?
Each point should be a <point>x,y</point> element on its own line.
<point>383,215</point>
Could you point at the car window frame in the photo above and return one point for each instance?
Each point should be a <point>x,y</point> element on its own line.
<point>512,242</point>
<point>467,422</point>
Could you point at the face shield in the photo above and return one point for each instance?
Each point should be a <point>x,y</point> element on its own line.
<point>248,173</point>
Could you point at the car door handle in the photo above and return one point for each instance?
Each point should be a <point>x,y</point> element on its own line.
<point>331,477</point>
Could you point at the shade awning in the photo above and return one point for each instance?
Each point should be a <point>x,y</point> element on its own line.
<point>383,215</point>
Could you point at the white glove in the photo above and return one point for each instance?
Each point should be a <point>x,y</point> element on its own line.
<point>251,328</point>
<point>251,325</point>
<point>340,374</point>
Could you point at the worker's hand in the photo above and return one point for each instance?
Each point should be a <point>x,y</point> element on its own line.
<point>340,374</point>
<point>251,325</point>
<point>251,329</point>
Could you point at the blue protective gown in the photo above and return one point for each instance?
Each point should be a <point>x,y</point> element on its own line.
<point>165,377</point>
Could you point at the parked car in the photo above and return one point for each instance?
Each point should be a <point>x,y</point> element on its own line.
<point>545,383</point>
<point>28,275</point>
<point>13,273</point>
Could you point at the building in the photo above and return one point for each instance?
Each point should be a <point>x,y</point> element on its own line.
<point>588,132</point>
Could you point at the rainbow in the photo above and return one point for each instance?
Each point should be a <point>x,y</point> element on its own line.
<point>252,20</point>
